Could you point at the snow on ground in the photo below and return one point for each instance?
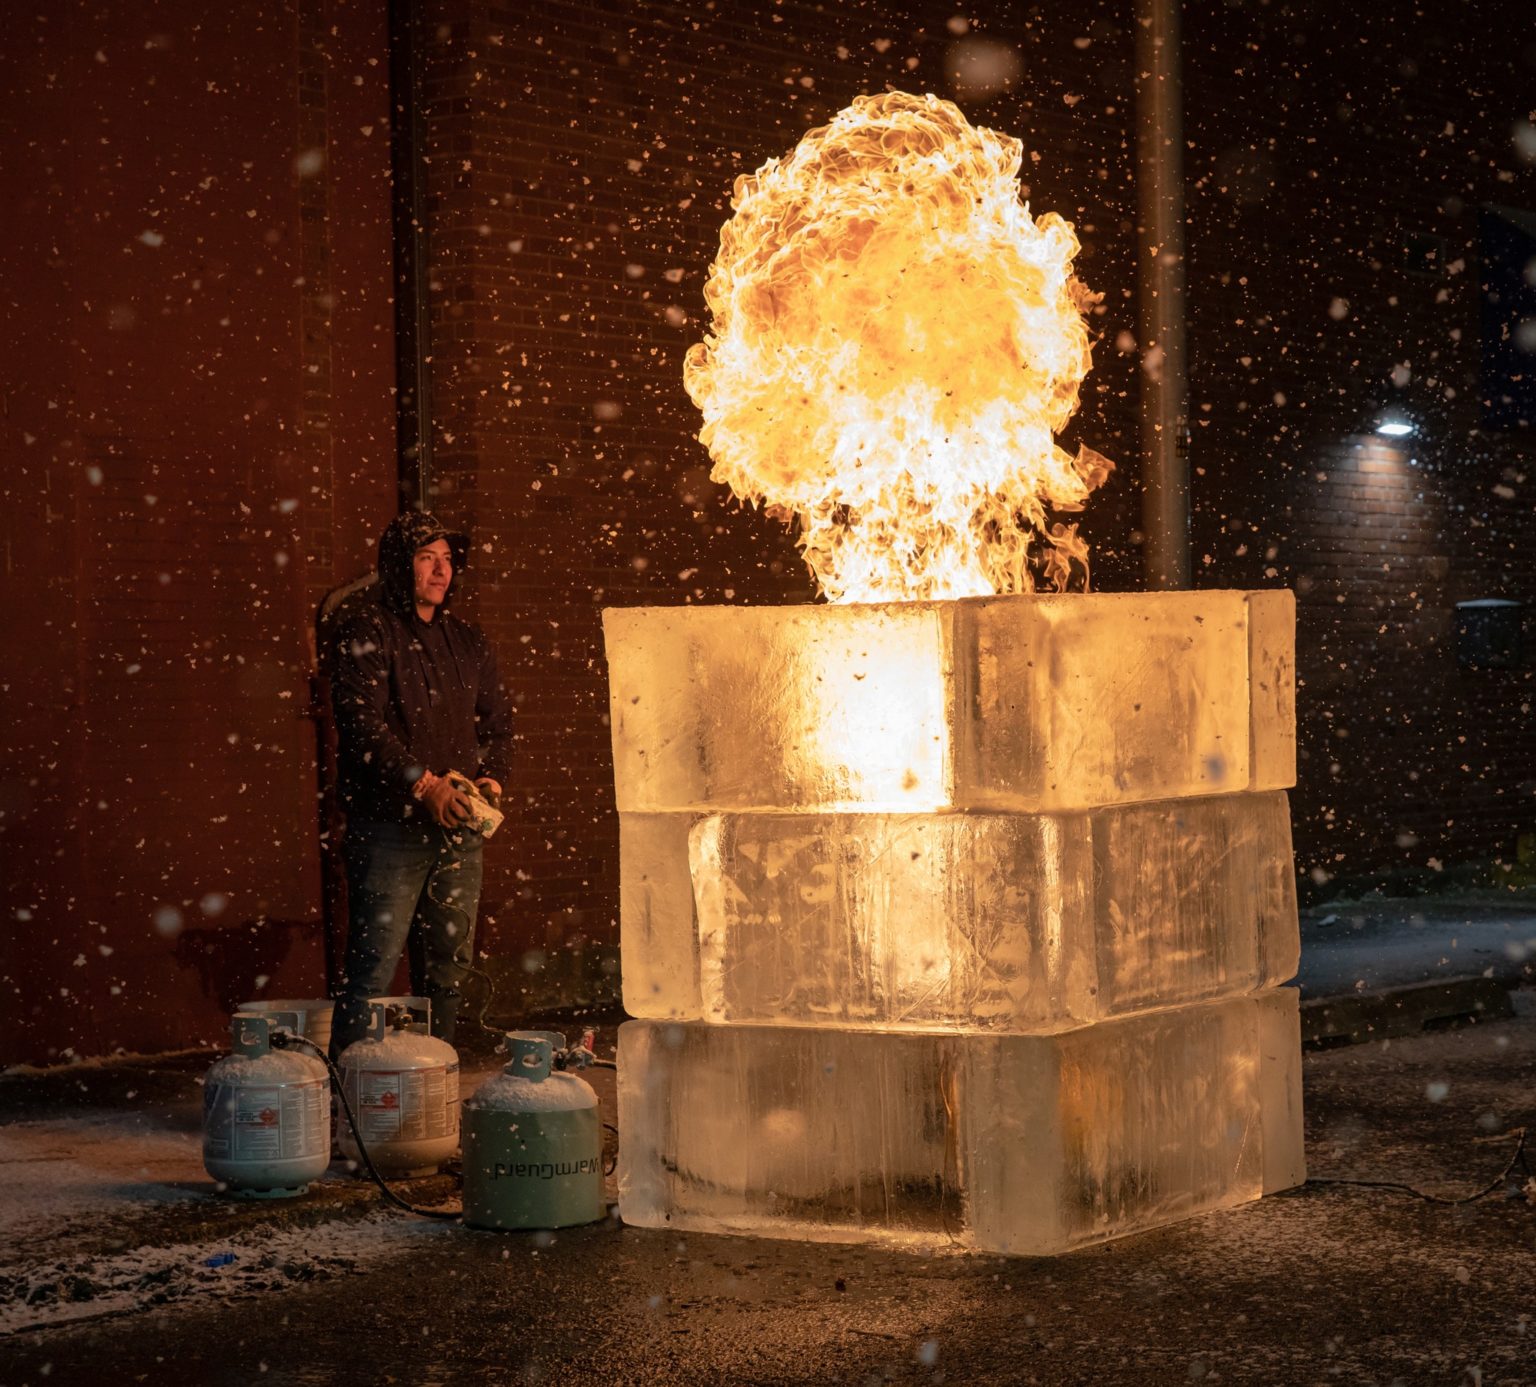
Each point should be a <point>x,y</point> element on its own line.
<point>110,1211</point>
<point>74,1289</point>
<point>58,1170</point>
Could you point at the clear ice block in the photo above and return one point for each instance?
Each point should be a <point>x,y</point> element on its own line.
<point>1272,686</point>
<point>1031,703</point>
<point>658,944</point>
<point>989,922</point>
<point>1015,1144</point>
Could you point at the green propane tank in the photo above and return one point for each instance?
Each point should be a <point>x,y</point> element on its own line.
<point>533,1145</point>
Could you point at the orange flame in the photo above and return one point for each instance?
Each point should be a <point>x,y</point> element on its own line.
<point>895,343</point>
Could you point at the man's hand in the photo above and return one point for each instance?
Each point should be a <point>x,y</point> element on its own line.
<point>448,806</point>
<point>491,789</point>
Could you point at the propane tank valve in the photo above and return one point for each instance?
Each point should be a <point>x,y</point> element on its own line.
<point>581,1055</point>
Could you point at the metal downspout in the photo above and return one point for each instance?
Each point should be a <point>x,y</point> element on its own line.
<point>1165,383</point>
<point>413,325</point>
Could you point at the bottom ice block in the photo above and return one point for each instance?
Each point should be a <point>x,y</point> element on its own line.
<point>1016,1144</point>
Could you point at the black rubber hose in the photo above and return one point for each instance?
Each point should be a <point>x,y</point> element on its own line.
<point>282,1039</point>
<point>1497,1183</point>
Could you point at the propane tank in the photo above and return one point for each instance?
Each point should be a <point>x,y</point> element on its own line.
<point>266,1115</point>
<point>533,1146</point>
<point>403,1085</point>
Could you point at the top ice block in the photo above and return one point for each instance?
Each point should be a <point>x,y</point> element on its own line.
<point>1030,703</point>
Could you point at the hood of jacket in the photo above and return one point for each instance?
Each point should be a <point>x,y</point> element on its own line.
<point>405,534</point>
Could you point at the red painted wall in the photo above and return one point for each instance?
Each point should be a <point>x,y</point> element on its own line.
<point>199,442</point>
<point>235,365</point>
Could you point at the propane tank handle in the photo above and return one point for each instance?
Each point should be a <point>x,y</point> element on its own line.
<point>378,1020</point>
<point>285,1020</point>
<point>532,1054</point>
<point>250,1034</point>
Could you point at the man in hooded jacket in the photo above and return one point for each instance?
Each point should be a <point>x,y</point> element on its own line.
<point>416,694</point>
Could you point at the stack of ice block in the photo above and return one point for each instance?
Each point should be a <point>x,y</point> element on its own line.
<point>956,920</point>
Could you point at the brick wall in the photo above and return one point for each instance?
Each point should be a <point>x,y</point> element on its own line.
<point>1414,760</point>
<point>581,163</point>
<point>200,442</point>
<point>1337,164</point>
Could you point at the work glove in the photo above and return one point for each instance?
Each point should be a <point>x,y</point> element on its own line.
<point>447,806</point>
<point>491,790</point>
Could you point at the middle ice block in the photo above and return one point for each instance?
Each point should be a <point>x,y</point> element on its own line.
<point>1003,923</point>
<point>1032,704</point>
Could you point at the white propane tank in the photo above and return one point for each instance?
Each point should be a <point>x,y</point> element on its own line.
<point>533,1145</point>
<point>403,1085</point>
<point>266,1115</point>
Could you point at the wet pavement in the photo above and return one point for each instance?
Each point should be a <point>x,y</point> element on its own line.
<point>1377,943</point>
<point>137,1272</point>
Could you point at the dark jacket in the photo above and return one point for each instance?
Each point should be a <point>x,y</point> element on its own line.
<point>411,695</point>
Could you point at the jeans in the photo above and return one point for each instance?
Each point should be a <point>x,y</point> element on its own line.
<point>416,884</point>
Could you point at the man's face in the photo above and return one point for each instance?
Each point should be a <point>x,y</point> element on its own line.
<point>434,570</point>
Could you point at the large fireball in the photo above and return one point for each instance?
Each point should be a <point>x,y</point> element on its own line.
<point>895,343</point>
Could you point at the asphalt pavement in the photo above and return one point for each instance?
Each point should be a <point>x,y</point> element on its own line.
<point>122,1264</point>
